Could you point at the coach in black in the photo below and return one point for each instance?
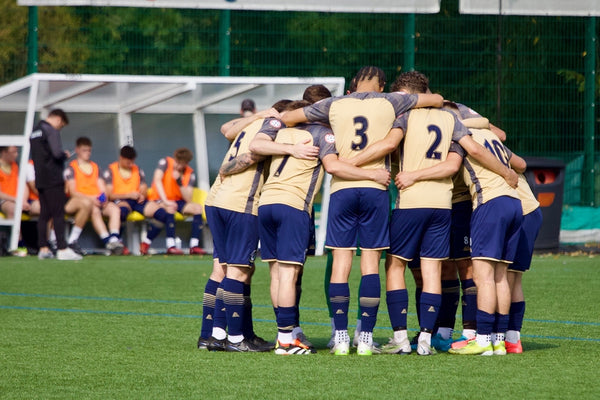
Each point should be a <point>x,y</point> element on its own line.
<point>48,160</point>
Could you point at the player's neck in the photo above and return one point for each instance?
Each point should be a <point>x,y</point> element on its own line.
<point>125,172</point>
<point>367,87</point>
<point>6,166</point>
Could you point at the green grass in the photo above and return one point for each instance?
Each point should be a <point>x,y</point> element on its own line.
<point>126,328</point>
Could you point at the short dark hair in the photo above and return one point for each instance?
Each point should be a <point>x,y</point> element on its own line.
<point>3,149</point>
<point>83,141</point>
<point>293,105</point>
<point>128,152</point>
<point>352,87</point>
<point>59,113</point>
<point>314,93</point>
<point>248,105</point>
<point>280,105</point>
<point>183,154</point>
<point>367,73</point>
<point>413,81</point>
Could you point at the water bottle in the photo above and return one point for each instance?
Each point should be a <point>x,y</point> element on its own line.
<point>178,242</point>
<point>102,198</point>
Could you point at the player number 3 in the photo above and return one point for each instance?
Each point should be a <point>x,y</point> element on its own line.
<point>361,124</point>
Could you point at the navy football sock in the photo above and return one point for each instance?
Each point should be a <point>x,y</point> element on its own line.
<point>339,295</point>
<point>369,297</point>
<point>430,307</point>
<point>233,297</point>
<point>397,302</point>
<point>208,307</point>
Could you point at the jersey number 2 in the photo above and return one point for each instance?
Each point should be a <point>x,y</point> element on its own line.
<point>432,153</point>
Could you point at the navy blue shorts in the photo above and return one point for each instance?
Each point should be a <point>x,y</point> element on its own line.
<point>133,205</point>
<point>530,227</point>
<point>460,230</point>
<point>496,228</point>
<point>358,213</point>
<point>284,233</point>
<point>420,232</point>
<point>235,236</point>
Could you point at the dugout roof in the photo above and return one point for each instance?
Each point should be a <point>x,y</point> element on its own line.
<point>126,95</point>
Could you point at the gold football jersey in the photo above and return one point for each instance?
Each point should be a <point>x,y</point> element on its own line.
<point>240,192</point>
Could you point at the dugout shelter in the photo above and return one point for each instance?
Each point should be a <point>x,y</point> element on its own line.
<point>156,114</point>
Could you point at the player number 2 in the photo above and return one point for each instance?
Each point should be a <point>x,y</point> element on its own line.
<point>361,124</point>
<point>432,153</point>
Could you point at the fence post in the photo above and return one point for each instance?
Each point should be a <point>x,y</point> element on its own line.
<point>589,113</point>
<point>225,43</point>
<point>32,41</point>
<point>409,42</point>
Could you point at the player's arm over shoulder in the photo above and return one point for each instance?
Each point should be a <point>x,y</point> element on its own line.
<point>294,117</point>
<point>429,100</point>
<point>517,163</point>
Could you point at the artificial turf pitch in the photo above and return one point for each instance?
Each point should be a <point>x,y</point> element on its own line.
<point>126,328</point>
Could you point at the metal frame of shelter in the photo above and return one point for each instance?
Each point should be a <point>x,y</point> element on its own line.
<point>125,95</point>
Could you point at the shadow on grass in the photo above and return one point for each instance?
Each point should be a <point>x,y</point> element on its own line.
<point>320,343</point>
<point>529,345</point>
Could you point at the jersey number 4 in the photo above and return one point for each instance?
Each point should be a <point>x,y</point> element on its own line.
<point>238,141</point>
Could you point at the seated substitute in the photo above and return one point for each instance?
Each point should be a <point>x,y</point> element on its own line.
<point>9,178</point>
<point>172,189</point>
<point>83,181</point>
<point>126,186</point>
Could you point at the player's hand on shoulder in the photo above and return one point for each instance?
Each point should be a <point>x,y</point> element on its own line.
<point>305,151</point>
<point>269,113</point>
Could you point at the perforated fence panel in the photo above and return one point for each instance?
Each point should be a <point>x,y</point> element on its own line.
<point>524,73</point>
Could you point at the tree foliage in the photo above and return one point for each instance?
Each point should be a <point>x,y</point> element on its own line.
<point>524,73</point>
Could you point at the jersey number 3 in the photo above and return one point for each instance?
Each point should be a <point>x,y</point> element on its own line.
<point>361,124</point>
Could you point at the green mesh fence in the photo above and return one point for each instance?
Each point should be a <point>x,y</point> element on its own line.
<point>523,73</point>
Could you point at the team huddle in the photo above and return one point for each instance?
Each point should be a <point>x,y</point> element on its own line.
<point>463,217</point>
<point>464,221</point>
